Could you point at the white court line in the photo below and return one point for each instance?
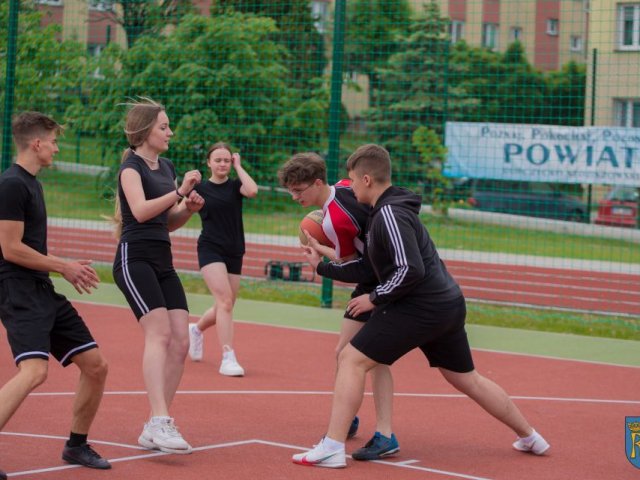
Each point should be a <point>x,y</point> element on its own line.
<point>405,464</point>
<point>329,392</point>
<point>384,462</point>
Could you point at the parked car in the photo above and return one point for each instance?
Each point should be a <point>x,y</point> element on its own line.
<point>620,208</point>
<point>535,199</point>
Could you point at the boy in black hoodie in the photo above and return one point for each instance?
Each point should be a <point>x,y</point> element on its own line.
<point>417,304</point>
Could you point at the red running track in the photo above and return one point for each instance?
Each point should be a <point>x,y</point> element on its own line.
<point>582,290</point>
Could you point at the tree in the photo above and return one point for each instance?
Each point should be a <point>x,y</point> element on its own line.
<point>566,88</point>
<point>373,29</point>
<point>48,71</point>
<point>296,31</point>
<point>415,91</point>
<point>144,17</point>
<point>238,94</point>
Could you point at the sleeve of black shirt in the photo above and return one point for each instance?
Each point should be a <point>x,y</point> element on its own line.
<point>13,195</point>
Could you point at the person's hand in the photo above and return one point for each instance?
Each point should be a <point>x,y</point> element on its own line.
<point>194,202</point>
<point>313,257</point>
<point>235,159</point>
<point>311,240</point>
<point>81,275</point>
<point>359,305</point>
<point>190,180</point>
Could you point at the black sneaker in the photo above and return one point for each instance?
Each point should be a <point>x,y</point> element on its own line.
<point>84,455</point>
<point>378,447</point>
<point>3,476</point>
<point>353,429</point>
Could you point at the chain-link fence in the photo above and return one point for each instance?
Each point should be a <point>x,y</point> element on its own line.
<point>517,121</point>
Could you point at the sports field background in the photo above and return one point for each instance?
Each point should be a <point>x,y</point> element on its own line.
<point>281,76</point>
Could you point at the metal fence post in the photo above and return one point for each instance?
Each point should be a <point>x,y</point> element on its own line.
<point>12,41</point>
<point>335,107</point>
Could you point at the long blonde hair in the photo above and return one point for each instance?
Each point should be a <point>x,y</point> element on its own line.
<point>141,118</point>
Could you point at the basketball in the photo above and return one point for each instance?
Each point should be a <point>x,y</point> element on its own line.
<point>312,222</point>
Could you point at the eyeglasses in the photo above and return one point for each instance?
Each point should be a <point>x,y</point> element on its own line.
<point>296,192</point>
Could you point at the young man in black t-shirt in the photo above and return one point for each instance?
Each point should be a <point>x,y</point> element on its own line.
<point>38,320</point>
<point>416,304</point>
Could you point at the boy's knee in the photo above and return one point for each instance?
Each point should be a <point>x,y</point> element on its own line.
<point>98,369</point>
<point>36,371</point>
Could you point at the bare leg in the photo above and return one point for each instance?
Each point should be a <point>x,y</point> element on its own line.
<point>348,391</point>
<point>224,288</point>
<point>381,379</point>
<point>93,375</point>
<point>157,334</point>
<point>176,353</point>
<point>31,373</point>
<point>383,398</point>
<point>491,397</point>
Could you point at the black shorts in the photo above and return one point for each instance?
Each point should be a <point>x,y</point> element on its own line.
<point>438,330</point>
<point>144,273</point>
<point>359,290</point>
<point>207,254</point>
<point>40,321</point>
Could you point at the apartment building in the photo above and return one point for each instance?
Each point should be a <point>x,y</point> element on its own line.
<point>552,32</point>
<point>613,90</point>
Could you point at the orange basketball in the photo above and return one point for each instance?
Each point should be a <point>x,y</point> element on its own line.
<point>312,222</point>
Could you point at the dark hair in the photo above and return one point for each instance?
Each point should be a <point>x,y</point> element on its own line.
<point>29,125</point>
<point>373,160</point>
<point>303,167</point>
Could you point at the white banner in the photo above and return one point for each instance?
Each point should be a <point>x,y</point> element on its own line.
<point>543,153</point>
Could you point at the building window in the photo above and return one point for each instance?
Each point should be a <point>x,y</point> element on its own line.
<point>320,13</point>
<point>552,26</point>
<point>490,35</point>
<point>576,43</point>
<point>456,30</point>
<point>629,27</point>
<point>515,34</point>
<point>101,5</point>
<point>627,112</point>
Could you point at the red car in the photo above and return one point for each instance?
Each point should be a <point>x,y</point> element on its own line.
<point>619,208</point>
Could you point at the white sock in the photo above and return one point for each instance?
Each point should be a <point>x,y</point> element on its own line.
<point>159,419</point>
<point>332,444</point>
<point>530,438</point>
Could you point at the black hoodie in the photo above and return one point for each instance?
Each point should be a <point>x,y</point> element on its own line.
<point>400,254</point>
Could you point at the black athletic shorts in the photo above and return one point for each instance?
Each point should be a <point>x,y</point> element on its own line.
<point>144,272</point>
<point>359,290</point>
<point>207,255</point>
<point>438,330</point>
<point>40,321</point>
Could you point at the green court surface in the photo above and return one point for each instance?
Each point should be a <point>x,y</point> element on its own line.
<point>576,347</point>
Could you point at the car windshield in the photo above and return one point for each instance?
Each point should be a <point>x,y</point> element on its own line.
<point>623,194</point>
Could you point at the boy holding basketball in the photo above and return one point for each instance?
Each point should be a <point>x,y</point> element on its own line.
<point>344,221</point>
<point>39,321</point>
<point>416,304</point>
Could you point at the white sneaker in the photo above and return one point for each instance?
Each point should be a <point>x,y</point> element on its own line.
<point>160,433</point>
<point>230,366</point>
<point>196,339</point>
<point>319,456</point>
<point>537,445</point>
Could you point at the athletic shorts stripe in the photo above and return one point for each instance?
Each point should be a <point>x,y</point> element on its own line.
<point>81,348</point>
<point>142,306</point>
<point>34,354</point>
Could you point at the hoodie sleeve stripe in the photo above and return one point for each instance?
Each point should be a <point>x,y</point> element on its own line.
<point>400,258</point>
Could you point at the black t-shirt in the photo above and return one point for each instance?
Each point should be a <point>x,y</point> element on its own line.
<point>221,216</point>
<point>22,200</point>
<point>155,183</point>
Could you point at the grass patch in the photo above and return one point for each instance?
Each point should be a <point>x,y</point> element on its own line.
<point>623,328</point>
